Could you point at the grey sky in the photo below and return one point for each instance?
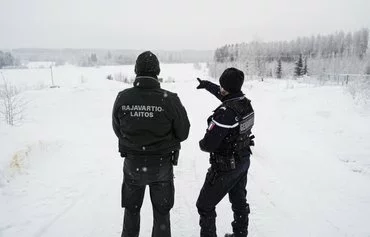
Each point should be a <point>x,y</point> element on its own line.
<point>171,24</point>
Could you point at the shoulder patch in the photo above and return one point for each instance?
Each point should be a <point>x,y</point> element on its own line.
<point>211,126</point>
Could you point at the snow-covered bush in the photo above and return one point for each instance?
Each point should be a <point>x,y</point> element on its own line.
<point>83,79</point>
<point>197,66</point>
<point>12,105</point>
<point>367,70</point>
<point>123,78</point>
<point>170,79</point>
<point>360,89</point>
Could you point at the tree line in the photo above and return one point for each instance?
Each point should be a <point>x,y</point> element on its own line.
<point>323,53</point>
<point>339,44</point>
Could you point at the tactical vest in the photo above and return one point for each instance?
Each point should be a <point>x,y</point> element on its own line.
<point>239,138</point>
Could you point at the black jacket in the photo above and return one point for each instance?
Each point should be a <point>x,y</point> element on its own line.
<point>223,125</point>
<point>149,120</point>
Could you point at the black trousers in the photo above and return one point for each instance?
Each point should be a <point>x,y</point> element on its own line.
<point>159,177</point>
<point>216,186</point>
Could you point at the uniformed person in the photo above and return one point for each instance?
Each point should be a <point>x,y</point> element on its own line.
<point>228,139</point>
<point>150,123</point>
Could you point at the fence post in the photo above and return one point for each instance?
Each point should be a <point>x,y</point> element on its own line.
<point>52,76</point>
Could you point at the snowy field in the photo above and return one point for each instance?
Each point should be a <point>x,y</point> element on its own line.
<point>60,172</point>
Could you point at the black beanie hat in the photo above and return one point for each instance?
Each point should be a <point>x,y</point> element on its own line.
<point>147,64</point>
<point>232,80</point>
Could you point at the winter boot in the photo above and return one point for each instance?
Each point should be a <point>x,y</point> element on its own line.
<point>232,235</point>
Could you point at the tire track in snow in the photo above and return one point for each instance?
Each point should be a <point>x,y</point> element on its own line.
<point>75,201</point>
<point>185,210</point>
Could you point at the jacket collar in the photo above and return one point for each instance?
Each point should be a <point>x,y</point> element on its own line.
<point>146,82</point>
<point>232,96</point>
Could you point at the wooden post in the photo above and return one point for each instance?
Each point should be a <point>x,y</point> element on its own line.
<point>52,77</point>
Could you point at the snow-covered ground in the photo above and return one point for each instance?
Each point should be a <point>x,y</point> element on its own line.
<point>60,173</point>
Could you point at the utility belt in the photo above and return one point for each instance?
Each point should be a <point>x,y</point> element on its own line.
<point>224,162</point>
<point>173,156</point>
<point>233,156</point>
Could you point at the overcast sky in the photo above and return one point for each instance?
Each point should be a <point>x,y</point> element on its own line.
<point>171,24</point>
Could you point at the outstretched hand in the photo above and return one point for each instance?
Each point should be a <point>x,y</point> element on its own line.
<point>202,83</point>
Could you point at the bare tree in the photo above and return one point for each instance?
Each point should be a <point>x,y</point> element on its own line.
<point>12,106</point>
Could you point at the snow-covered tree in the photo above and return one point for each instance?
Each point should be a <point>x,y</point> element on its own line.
<point>94,59</point>
<point>304,69</point>
<point>6,59</point>
<point>367,70</point>
<point>298,67</point>
<point>278,69</point>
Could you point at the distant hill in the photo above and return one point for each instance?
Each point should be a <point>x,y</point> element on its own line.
<point>107,56</point>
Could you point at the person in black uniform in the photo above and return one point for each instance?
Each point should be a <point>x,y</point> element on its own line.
<point>150,123</point>
<point>228,139</point>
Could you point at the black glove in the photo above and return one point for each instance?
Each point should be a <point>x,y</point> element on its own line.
<point>202,83</point>
<point>175,157</point>
<point>251,142</point>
